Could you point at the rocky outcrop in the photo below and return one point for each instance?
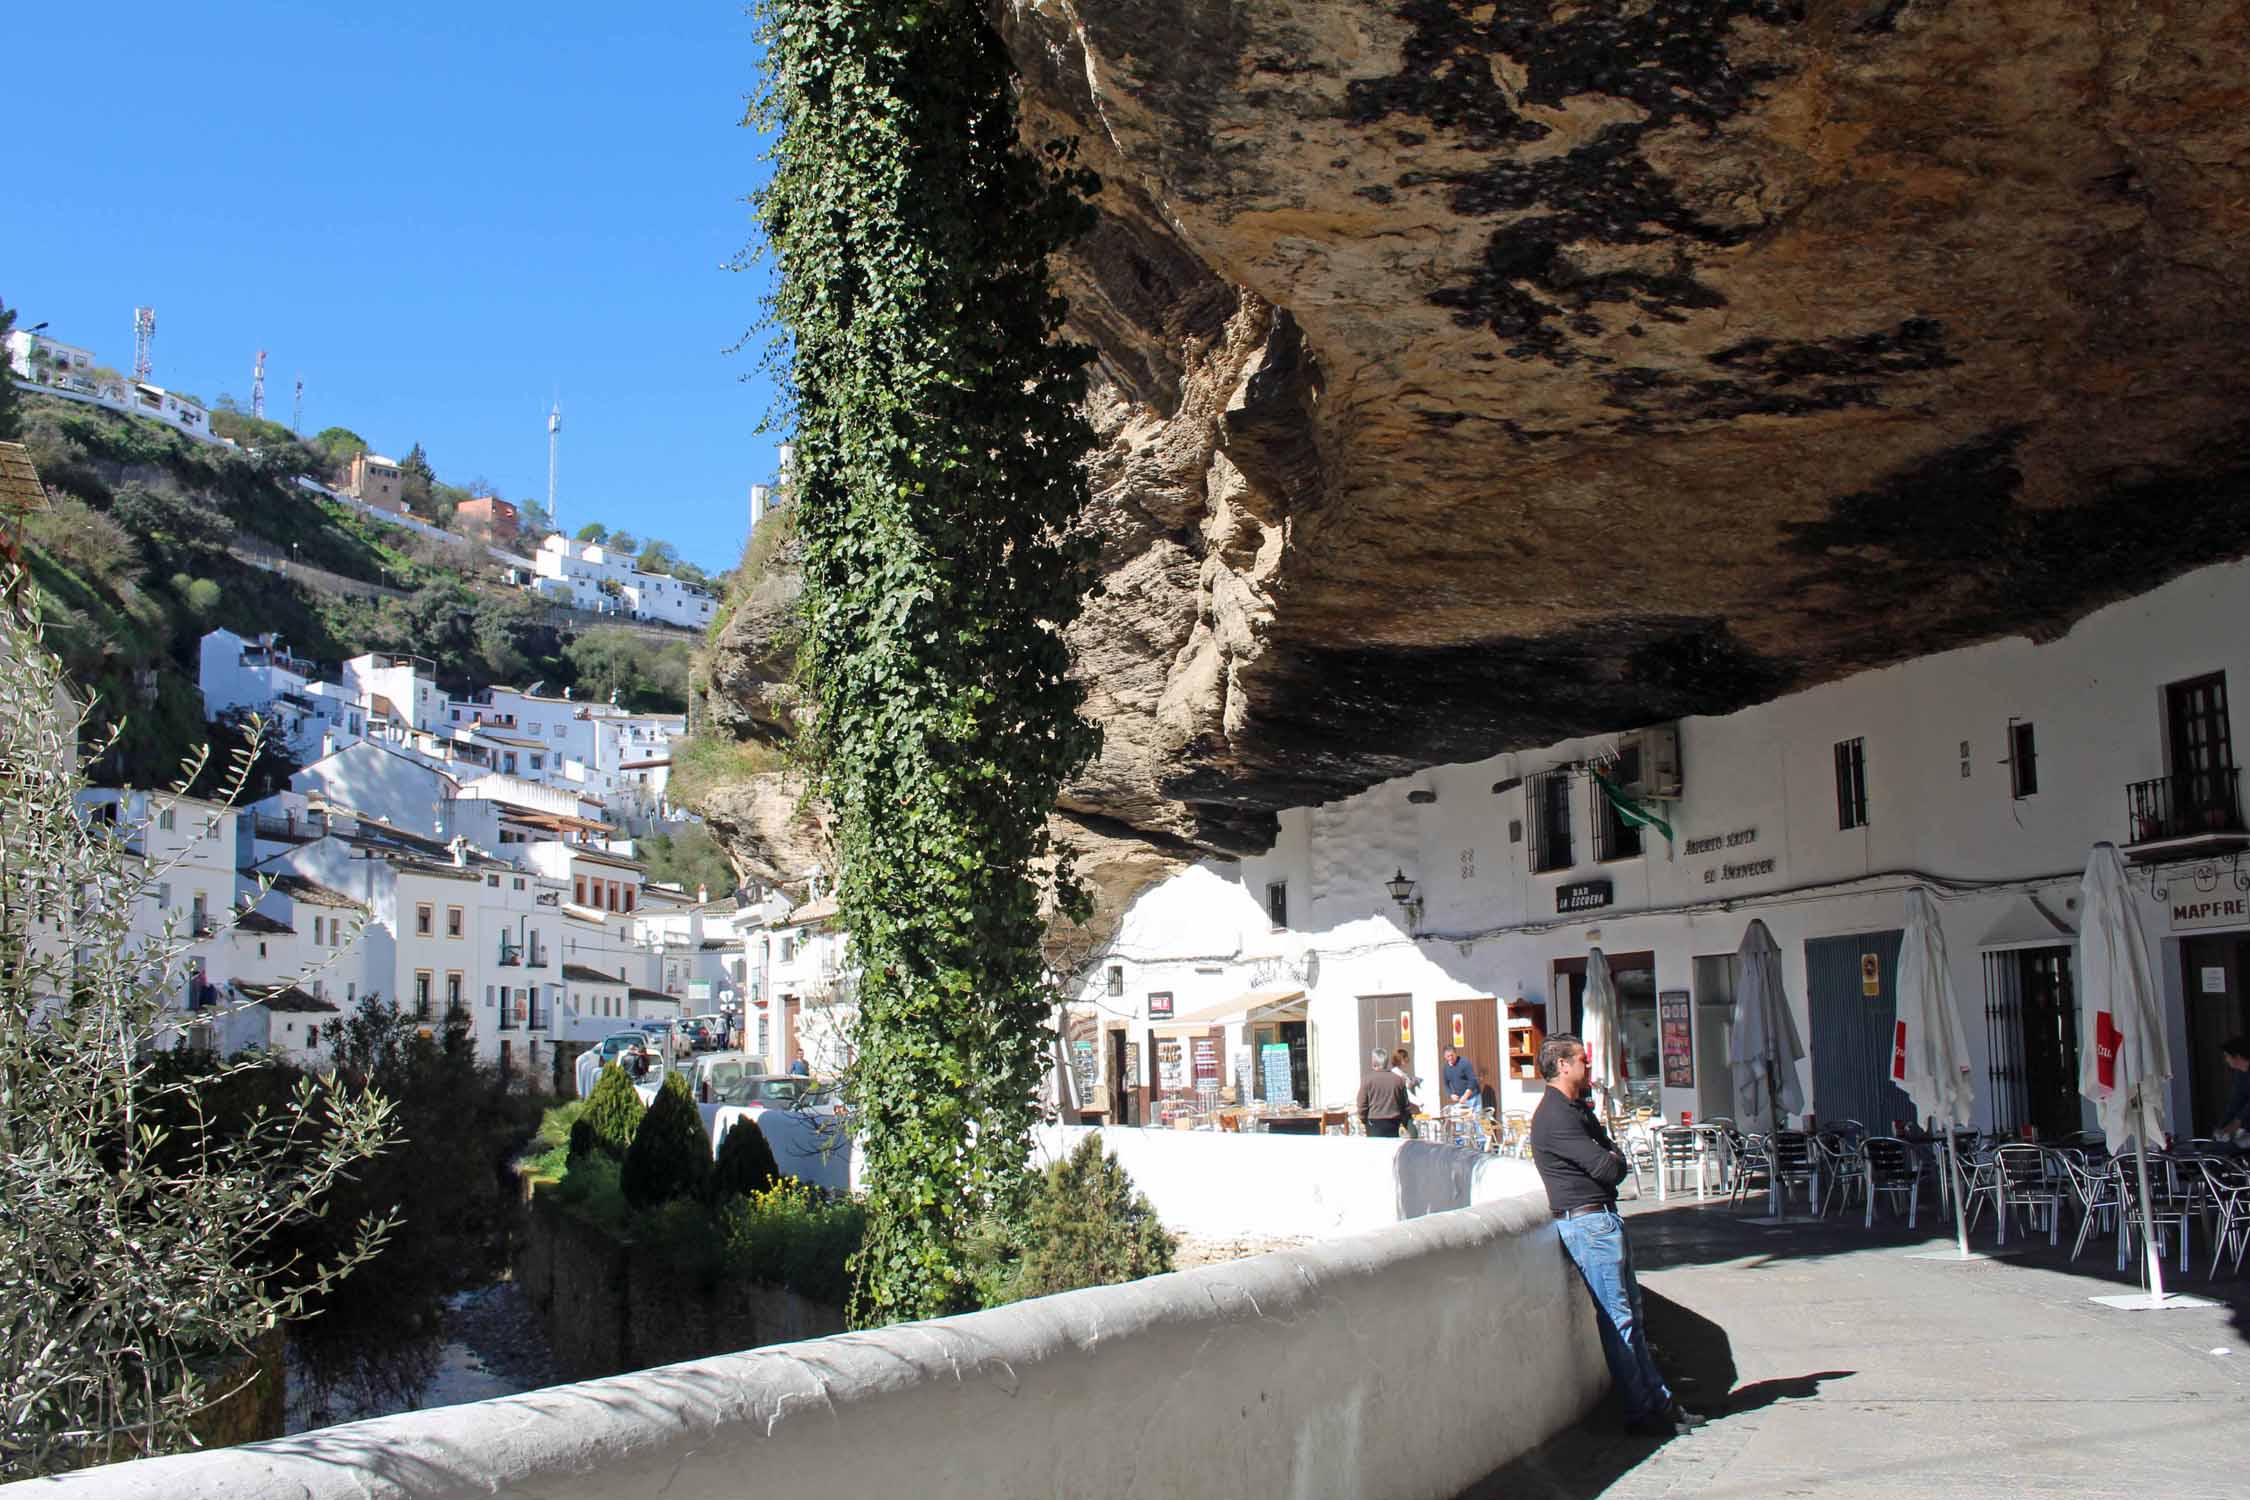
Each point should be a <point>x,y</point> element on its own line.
<point>1475,376</point>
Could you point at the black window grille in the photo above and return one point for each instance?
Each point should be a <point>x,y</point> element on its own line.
<point>1851,784</point>
<point>1549,794</point>
<point>2023,760</point>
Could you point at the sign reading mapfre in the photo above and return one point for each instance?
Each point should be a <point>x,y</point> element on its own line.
<point>2211,911</point>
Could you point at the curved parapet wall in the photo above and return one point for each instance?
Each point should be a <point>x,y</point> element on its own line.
<point>1406,1362</point>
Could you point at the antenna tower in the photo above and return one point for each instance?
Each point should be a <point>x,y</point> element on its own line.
<point>144,334</point>
<point>554,444</point>
<point>297,411</point>
<point>258,387</point>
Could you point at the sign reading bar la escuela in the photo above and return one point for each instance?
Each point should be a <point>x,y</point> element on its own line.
<point>1583,895</point>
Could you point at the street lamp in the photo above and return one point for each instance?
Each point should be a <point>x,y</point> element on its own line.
<point>1402,891</point>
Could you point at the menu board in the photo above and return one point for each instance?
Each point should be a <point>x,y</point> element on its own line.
<point>1273,1061</point>
<point>1171,1065</point>
<point>1678,1033</point>
<point>1083,1071</point>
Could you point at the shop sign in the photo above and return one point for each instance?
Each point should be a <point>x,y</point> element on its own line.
<point>1082,1067</point>
<point>1583,895</point>
<point>1281,1083</point>
<point>1679,1039</point>
<point>1460,1030</point>
<point>2211,911</point>
<point>1159,1005</point>
<point>2215,980</point>
<point>1870,975</point>
<point>1712,843</point>
<point>1406,1028</point>
<point>1749,869</point>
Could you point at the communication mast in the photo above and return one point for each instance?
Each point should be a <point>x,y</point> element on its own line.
<point>144,334</point>
<point>258,387</point>
<point>554,443</point>
<point>297,411</point>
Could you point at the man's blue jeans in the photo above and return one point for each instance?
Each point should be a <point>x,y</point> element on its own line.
<point>1596,1243</point>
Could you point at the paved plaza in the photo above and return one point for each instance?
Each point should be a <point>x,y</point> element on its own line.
<point>1832,1364</point>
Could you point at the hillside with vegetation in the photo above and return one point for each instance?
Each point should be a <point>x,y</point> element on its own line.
<point>153,538</point>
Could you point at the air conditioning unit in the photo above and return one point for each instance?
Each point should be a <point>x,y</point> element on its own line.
<point>1649,760</point>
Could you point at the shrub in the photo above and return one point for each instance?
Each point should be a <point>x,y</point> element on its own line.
<point>583,1142</point>
<point>1084,1225</point>
<point>671,1154</point>
<point>591,1192</point>
<point>683,1234</point>
<point>745,1165</point>
<point>787,1236</point>
<point>614,1111</point>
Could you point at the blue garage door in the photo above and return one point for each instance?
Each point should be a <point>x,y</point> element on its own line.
<point>1851,1029</point>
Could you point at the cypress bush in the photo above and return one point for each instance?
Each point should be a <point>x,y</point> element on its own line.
<point>613,1111</point>
<point>1086,1225</point>
<point>671,1155</point>
<point>746,1164</point>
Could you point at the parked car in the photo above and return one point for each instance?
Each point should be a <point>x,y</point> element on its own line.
<point>788,1091</point>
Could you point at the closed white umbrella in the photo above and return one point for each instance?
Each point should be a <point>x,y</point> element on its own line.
<point>1929,1050</point>
<point>2124,1062</point>
<point>1763,1053</point>
<point>1598,1028</point>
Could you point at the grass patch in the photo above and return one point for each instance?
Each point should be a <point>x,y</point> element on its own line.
<point>704,762</point>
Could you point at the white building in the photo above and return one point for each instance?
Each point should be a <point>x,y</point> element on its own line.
<point>382,782</point>
<point>588,576</point>
<point>305,716</point>
<point>400,688</point>
<point>45,361</point>
<point>1982,775</point>
<point>194,853</point>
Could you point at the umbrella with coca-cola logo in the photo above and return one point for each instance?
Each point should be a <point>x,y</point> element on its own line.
<point>2125,1063</point>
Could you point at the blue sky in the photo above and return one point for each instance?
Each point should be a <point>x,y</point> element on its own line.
<point>440,215</point>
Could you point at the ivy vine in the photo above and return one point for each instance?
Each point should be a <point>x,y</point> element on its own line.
<point>940,442</point>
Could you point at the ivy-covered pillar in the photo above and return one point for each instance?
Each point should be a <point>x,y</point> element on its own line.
<point>939,445</point>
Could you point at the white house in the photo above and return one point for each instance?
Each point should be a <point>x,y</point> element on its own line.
<point>381,782</point>
<point>588,576</point>
<point>397,687</point>
<point>305,716</point>
<point>1981,775</point>
<point>194,852</point>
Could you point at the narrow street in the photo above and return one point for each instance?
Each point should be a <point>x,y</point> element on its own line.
<point>1832,1364</point>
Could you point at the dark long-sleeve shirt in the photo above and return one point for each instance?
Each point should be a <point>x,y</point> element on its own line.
<point>1577,1161</point>
<point>1382,1096</point>
<point>2238,1102</point>
<point>1459,1077</point>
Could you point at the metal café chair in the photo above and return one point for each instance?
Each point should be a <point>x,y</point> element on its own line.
<point>2095,1189</point>
<point>2018,1178</point>
<point>1792,1159</point>
<point>2163,1213</point>
<point>1889,1165</point>
<point>1752,1167</point>
<point>1840,1164</point>
<point>2227,1188</point>
<point>1680,1150</point>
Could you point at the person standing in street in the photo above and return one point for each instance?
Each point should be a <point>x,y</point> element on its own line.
<point>1459,1079</point>
<point>1382,1098</point>
<point>1581,1167</point>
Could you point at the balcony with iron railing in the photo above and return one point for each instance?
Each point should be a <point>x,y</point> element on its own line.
<point>2190,811</point>
<point>511,954</point>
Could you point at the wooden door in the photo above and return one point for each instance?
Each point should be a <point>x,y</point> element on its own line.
<point>1473,1027</point>
<point>2214,970</point>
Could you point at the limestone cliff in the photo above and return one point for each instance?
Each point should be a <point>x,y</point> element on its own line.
<point>1476,375</point>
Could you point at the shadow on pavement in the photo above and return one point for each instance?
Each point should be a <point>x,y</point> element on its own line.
<point>1698,1362</point>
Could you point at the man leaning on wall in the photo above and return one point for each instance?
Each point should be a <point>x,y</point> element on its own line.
<point>1581,1167</point>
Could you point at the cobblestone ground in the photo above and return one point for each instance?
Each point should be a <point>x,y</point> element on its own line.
<point>1832,1364</point>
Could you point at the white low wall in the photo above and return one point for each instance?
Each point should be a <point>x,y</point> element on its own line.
<point>1403,1364</point>
<point>1217,1184</point>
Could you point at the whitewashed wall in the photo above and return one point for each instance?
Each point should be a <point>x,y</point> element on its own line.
<point>1489,927</point>
<point>1364,1368</point>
